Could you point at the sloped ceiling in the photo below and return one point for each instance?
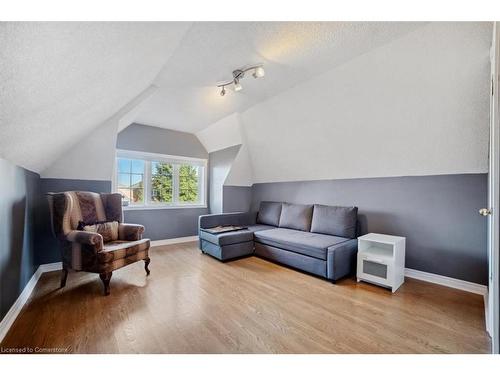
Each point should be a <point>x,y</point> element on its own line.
<point>59,81</point>
<point>292,52</point>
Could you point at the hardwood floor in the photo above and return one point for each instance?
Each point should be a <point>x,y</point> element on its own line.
<point>192,303</point>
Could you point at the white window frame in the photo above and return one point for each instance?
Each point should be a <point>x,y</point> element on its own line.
<point>176,161</point>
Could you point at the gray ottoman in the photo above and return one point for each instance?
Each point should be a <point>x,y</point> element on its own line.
<point>229,245</point>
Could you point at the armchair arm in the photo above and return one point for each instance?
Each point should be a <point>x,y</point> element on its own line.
<point>86,238</point>
<point>130,232</point>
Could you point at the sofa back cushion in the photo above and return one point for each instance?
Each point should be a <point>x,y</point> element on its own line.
<point>269,213</point>
<point>335,220</point>
<point>296,216</point>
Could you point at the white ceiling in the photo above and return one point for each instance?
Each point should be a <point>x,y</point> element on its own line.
<point>292,52</point>
<point>59,81</point>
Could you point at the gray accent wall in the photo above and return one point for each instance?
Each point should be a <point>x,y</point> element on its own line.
<point>438,215</point>
<point>236,198</point>
<point>137,137</point>
<point>163,223</point>
<point>19,189</point>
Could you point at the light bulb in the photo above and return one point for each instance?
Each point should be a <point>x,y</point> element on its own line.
<point>259,72</point>
<point>237,86</point>
<point>223,92</point>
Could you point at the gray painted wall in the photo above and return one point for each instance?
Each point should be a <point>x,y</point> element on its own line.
<point>19,189</point>
<point>47,250</point>
<point>163,223</point>
<point>145,138</point>
<point>219,165</point>
<point>438,215</point>
<point>166,223</point>
<point>237,198</point>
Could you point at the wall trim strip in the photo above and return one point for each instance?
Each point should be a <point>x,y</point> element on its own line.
<point>447,281</point>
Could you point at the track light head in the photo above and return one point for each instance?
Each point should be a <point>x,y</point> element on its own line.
<point>259,72</point>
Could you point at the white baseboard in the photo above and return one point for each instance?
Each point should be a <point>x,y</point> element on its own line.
<point>49,267</point>
<point>171,241</point>
<point>447,281</point>
<point>16,308</point>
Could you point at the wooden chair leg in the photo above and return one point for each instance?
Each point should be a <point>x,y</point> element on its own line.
<point>64,276</point>
<point>146,265</point>
<point>106,278</point>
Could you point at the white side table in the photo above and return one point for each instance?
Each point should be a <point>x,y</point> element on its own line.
<point>381,260</point>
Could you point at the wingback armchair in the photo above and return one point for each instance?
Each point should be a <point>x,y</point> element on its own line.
<point>87,251</point>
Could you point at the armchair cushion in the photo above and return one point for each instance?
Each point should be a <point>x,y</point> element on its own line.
<point>130,232</point>
<point>108,230</point>
<point>121,249</point>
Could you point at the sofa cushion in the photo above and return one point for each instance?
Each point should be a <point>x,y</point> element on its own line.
<point>258,227</point>
<point>296,216</point>
<point>311,244</point>
<point>227,238</point>
<point>269,213</point>
<point>335,220</point>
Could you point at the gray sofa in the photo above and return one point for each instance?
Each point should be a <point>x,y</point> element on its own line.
<point>314,238</point>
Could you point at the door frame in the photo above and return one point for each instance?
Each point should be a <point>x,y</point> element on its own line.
<point>492,323</point>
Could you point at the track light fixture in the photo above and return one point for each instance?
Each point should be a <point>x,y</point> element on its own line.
<point>238,74</point>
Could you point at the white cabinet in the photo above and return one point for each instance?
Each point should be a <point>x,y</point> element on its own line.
<point>381,260</point>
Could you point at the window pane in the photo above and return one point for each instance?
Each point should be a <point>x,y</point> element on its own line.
<point>136,181</point>
<point>137,195</point>
<point>188,183</point>
<point>124,165</point>
<point>125,193</point>
<point>161,182</point>
<point>137,166</point>
<point>123,180</point>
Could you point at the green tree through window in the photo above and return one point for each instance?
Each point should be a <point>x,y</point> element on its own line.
<point>188,183</point>
<point>162,182</point>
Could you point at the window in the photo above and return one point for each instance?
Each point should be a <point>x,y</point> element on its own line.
<point>160,181</point>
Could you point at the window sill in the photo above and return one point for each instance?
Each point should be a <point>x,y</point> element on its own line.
<point>152,207</point>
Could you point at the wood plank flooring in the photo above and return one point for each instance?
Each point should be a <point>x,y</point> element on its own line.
<point>193,303</point>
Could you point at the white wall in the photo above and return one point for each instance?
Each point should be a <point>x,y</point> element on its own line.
<point>240,173</point>
<point>90,159</point>
<point>416,106</point>
<point>223,134</point>
<point>220,163</point>
<point>93,157</point>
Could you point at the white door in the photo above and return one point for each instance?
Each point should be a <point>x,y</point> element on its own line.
<point>493,197</point>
